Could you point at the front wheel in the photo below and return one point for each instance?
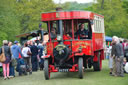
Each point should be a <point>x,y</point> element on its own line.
<point>46,69</point>
<point>80,67</point>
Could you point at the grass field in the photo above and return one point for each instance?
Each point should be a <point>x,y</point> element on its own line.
<point>90,78</point>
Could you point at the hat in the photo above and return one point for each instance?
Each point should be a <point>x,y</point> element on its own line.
<point>15,42</point>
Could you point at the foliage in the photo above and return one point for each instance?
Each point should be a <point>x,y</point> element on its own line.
<point>29,12</point>
<point>125,5</point>
<point>74,5</point>
<point>115,16</point>
<point>9,25</point>
<point>19,16</point>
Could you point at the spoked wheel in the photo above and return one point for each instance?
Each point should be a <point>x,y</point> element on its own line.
<point>46,69</point>
<point>80,67</point>
<point>97,65</point>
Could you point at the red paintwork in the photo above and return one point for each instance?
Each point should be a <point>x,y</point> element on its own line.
<point>97,41</point>
<point>47,56</point>
<point>73,69</point>
<point>68,15</point>
<point>52,68</point>
<point>85,45</point>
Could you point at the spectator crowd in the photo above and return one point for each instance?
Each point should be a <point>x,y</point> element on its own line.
<point>28,58</point>
<point>117,53</point>
<point>24,59</point>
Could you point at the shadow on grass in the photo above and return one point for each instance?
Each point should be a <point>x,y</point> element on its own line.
<point>72,75</point>
<point>88,73</point>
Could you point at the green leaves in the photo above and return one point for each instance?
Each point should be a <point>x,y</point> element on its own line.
<point>115,16</point>
<point>74,5</point>
<point>20,16</point>
<point>29,12</point>
<point>9,25</point>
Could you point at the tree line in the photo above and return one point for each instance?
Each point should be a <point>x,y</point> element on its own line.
<point>20,16</point>
<point>115,13</point>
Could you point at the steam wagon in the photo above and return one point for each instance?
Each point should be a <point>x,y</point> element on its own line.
<point>66,50</point>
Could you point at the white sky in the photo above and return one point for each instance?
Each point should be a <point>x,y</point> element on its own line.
<point>79,1</point>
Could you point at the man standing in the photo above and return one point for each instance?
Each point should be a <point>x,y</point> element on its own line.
<point>16,51</point>
<point>118,58</point>
<point>34,60</point>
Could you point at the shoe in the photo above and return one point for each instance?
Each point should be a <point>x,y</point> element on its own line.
<point>11,76</point>
<point>25,73</point>
<point>5,78</point>
<point>110,73</point>
<point>113,75</point>
<point>20,74</point>
<point>8,77</point>
<point>30,73</point>
<point>121,75</point>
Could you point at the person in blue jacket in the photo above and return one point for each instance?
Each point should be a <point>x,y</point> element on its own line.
<point>16,51</point>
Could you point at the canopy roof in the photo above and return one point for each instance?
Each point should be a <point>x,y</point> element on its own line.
<point>107,38</point>
<point>63,15</point>
<point>32,33</point>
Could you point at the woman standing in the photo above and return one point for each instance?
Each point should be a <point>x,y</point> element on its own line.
<point>27,57</point>
<point>6,63</point>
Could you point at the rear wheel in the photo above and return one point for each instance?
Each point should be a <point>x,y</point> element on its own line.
<point>80,67</point>
<point>46,69</point>
<point>97,65</point>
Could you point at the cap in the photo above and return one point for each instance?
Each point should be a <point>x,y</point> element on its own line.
<point>15,42</point>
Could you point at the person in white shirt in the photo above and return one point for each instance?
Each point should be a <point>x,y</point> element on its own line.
<point>27,57</point>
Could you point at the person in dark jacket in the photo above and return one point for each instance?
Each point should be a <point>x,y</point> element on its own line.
<point>34,60</point>
<point>82,33</point>
<point>119,58</point>
<point>6,63</point>
<point>41,53</point>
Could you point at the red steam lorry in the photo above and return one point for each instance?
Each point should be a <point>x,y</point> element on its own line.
<point>67,52</point>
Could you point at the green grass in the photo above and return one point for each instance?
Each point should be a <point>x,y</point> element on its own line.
<point>90,78</point>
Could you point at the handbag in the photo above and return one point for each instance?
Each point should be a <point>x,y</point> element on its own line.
<point>29,53</point>
<point>2,56</point>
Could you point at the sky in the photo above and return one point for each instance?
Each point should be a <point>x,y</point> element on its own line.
<point>79,1</point>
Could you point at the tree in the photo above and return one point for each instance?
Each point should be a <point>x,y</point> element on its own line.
<point>29,12</point>
<point>114,15</point>
<point>19,16</point>
<point>75,6</point>
<point>9,25</point>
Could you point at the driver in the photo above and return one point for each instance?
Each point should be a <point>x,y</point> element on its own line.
<point>82,33</point>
